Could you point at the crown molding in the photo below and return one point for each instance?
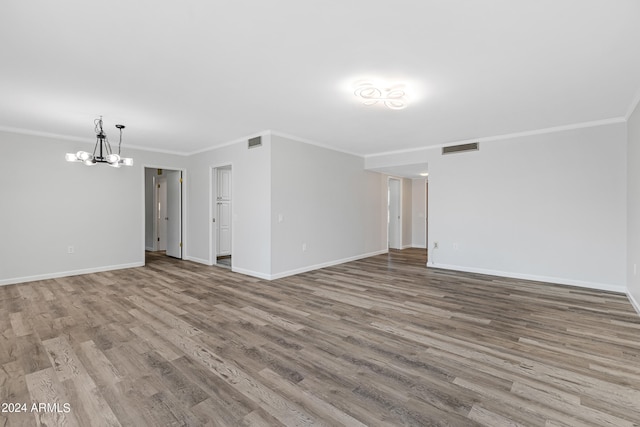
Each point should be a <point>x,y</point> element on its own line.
<point>84,140</point>
<point>154,150</point>
<point>228,143</point>
<point>581,125</point>
<point>542,131</point>
<point>274,133</point>
<point>311,142</point>
<point>22,131</point>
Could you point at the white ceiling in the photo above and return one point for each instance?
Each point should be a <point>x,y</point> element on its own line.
<point>185,76</point>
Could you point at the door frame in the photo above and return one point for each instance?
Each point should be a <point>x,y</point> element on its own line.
<point>213,191</point>
<point>183,201</point>
<point>389,179</point>
<point>426,214</point>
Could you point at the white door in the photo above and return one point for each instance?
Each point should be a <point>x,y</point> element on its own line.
<point>161,214</point>
<point>394,214</point>
<point>224,183</point>
<point>224,228</point>
<point>174,213</point>
<point>223,212</point>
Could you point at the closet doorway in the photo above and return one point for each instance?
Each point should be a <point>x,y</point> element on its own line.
<point>163,211</point>
<point>394,213</point>
<point>222,217</point>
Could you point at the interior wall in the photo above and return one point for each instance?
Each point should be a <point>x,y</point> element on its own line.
<point>418,213</point>
<point>633,208</point>
<point>251,221</point>
<point>325,208</point>
<point>548,207</point>
<point>51,206</point>
<point>551,206</point>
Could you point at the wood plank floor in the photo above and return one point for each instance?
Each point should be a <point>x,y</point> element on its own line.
<point>380,341</point>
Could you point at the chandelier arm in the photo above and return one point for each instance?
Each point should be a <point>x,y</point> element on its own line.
<point>107,145</point>
<point>120,127</point>
<point>96,147</point>
<point>98,130</point>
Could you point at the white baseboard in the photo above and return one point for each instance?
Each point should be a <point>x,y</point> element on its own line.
<point>251,273</point>
<point>325,264</point>
<point>419,246</point>
<point>198,260</point>
<point>58,274</point>
<point>266,276</point>
<point>633,302</point>
<point>548,279</point>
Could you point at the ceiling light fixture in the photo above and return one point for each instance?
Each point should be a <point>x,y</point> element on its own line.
<point>393,97</point>
<point>102,152</point>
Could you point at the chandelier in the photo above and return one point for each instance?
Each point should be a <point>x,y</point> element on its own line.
<point>102,152</point>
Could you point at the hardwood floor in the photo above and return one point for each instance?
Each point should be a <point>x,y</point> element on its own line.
<point>380,341</point>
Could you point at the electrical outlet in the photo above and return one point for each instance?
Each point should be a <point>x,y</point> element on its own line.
<point>435,245</point>
<point>456,246</point>
<point>304,247</point>
<point>70,249</point>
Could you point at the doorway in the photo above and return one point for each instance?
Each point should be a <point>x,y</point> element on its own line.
<point>163,210</point>
<point>221,230</point>
<point>161,213</point>
<point>394,213</point>
<point>426,214</point>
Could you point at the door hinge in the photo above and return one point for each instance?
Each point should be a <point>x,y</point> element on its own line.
<point>180,244</point>
<point>158,239</point>
<point>180,180</point>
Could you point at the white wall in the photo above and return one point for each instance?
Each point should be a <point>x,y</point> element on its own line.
<point>550,207</point>
<point>251,220</point>
<point>53,202</point>
<point>49,204</point>
<point>633,208</point>
<point>325,200</point>
<point>418,213</point>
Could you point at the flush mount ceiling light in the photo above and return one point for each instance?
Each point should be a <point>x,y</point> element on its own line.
<point>393,97</point>
<point>102,152</point>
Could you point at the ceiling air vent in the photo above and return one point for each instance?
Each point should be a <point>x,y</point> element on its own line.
<point>255,142</point>
<point>474,146</point>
